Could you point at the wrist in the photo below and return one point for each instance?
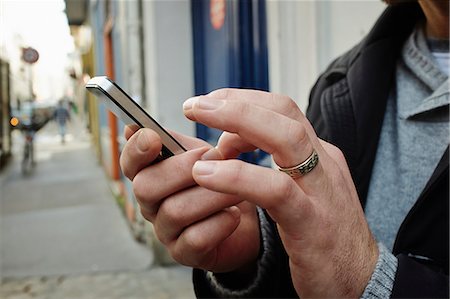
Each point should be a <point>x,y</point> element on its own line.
<point>382,279</point>
<point>368,266</point>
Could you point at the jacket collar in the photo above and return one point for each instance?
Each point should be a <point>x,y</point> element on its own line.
<point>369,70</point>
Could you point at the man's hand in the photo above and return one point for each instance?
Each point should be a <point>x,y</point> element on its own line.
<point>331,249</point>
<point>201,228</point>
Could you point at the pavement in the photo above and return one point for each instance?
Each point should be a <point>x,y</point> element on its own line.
<point>63,234</point>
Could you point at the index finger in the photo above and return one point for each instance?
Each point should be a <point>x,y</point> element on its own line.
<point>277,103</point>
<point>286,139</point>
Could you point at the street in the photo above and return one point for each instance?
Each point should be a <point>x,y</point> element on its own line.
<point>63,234</point>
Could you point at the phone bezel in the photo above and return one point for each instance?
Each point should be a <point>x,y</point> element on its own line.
<point>133,111</point>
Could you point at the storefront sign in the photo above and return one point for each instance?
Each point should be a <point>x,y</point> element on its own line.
<point>30,55</point>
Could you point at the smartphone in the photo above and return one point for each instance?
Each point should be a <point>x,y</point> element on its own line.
<point>125,108</point>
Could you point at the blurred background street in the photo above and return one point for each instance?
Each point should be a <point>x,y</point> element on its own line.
<point>63,234</point>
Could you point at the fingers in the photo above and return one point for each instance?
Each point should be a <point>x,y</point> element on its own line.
<point>141,149</point>
<point>187,207</point>
<point>144,146</point>
<point>196,224</point>
<point>197,245</point>
<point>255,119</point>
<point>269,189</point>
<point>231,145</point>
<point>286,139</point>
<point>276,102</point>
<point>222,242</point>
<point>152,184</point>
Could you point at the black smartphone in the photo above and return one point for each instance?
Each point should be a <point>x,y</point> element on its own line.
<point>125,108</point>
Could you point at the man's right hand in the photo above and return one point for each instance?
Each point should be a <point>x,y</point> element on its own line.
<point>200,228</point>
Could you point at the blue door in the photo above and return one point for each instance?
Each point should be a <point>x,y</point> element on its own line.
<point>230,50</point>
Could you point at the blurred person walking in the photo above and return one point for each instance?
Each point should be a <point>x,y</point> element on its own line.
<point>29,125</point>
<point>61,116</point>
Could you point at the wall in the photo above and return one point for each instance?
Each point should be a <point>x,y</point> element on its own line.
<point>305,36</point>
<point>97,20</point>
<point>168,59</point>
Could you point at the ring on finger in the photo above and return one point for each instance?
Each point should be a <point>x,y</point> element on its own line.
<point>303,168</point>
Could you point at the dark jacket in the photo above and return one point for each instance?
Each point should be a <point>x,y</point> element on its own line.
<point>347,106</point>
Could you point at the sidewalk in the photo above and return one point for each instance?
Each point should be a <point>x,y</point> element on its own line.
<point>62,231</point>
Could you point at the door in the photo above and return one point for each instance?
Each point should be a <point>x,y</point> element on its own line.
<point>230,50</point>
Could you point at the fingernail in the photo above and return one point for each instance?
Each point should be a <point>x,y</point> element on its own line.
<point>187,105</point>
<point>142,142</point>
<point>212,154</point>
<point>204,167</point>
<point>202,103</point>
<point>209,104</point>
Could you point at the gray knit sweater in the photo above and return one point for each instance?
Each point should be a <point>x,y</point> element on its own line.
<point>414,136</point>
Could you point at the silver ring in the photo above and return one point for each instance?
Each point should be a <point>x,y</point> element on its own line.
<point>303,168</point>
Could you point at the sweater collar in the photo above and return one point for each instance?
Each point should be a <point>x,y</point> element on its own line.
<point>420,63</point>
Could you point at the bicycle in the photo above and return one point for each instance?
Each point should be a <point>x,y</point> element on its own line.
<point>28,130</point>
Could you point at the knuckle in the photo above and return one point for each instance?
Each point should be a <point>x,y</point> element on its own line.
<point>283,187</point>
<point>187,249</point>
<point>339,155</point>
<point>162,237</point>
<point>285,105</point>
<point>140,187</point>
<point>196,243</point>
<point>176,254</point>
<point>287,194</point>
<point>289,107</point>
<point>334,152</point>
<point>124,165</point>
<point>296,134</point>
<point>147,214</point>
<point>172,213</point>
